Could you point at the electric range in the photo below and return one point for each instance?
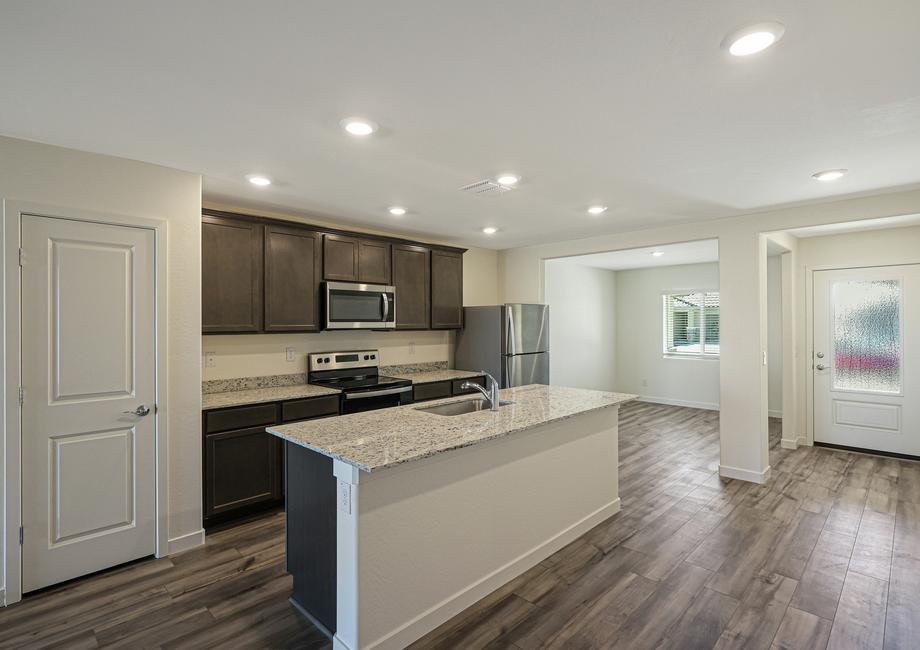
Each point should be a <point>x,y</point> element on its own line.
<point>357,375</point>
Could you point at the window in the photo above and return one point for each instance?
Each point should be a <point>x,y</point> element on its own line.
<point>691,323</point>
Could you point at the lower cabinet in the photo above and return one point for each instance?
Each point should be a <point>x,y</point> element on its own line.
<point>242,464</point>
<point>442,389</point>
<point>242,472</point>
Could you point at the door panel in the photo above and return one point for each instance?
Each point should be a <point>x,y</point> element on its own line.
<point>526,328</point>
<point>865,364</point>
<point>446,290</point>
<point>524,369</point>
<point>412,279</point>
<point>88,349</point>
<point>231,275</point>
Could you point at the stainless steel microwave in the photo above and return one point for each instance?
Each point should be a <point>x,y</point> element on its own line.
<point>351,305</point>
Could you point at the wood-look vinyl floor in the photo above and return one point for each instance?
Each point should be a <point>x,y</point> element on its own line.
<point>826,554</point>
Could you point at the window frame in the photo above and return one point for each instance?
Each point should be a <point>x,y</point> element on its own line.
<point>702,354</point>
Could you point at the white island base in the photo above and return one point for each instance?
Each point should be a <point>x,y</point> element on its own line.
<point>419,542</point>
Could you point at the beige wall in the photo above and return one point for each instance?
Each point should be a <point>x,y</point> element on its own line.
<point>742,271</point>
<point>265,354</point>
<point>72,179</point>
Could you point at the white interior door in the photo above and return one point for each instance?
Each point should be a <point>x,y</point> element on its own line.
<point>88,346</point>
<point>866,358</point>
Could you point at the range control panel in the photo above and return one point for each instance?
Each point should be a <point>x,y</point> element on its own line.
<point>343,360</point>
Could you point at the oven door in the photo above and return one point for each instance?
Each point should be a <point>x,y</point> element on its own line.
<point>376,399</point>
<point>350,305</point>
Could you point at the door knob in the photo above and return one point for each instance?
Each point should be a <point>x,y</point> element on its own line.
<point>140,411</point>
<point>821,366</point>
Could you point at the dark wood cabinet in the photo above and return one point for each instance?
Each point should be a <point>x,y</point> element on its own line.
<point>431,390</point>
<point>412,279</point>
<point>340,258</point>
<point>293,273</point>
<point>373,262</point>
<point>446,290</point>
<point>243,471</point>
<point>231,275</point>
<point>242,464</point>
<point>458,389</point>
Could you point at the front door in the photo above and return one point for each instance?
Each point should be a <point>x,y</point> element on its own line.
<point>866,358</point>
<point>88,377</point>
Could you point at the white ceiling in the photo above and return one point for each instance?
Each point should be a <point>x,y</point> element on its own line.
<point>695,252</point>
<point>629,104</point>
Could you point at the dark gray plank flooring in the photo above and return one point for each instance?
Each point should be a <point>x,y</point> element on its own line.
<point>827,554</point>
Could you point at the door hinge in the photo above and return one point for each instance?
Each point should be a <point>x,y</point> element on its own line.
<point>21,255</point>
<point>22,395</point>
<point>21,535</point>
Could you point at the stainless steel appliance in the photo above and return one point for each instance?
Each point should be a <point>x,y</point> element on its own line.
<point>507,341</point>
<point>352,305</point>
<point>357,375</point>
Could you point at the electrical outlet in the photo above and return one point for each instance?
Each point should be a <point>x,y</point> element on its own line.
<point>645,383</point>
<point>289,354</point>
<point>345,497</point>
<point>210,360</point>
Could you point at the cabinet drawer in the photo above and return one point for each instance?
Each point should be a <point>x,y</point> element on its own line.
<point>313,407</point>
<point>435,390</point>
<point>457,390</point>
<point>241,418</point>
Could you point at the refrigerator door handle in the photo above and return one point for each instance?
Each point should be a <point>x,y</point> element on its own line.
<point>512,347</point>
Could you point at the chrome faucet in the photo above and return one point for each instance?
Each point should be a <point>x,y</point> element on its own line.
<point>491,394</point>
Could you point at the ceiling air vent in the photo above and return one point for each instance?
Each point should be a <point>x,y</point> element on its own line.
<point>485,188</point>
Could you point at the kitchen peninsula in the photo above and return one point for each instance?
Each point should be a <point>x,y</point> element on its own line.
<point>398,519</point>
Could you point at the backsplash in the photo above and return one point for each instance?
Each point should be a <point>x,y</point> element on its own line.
<point>402,369</point>
<point>249,383</point>
<point>264,355</point>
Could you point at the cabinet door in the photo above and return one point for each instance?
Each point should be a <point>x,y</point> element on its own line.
<point>292,279</point>
<point>373,262</point>
<point>433,390</point>
<point>411,277</point>
<point>231,275</point>
<point>340,258</point>
<point>446,290</point>
<point>242,470</point>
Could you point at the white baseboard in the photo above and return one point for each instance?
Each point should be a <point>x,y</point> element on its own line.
<point>185,542</point>
<point>775,414</point>
<point>745,474</point>
<point>456,603</point>
<point>679,402</point>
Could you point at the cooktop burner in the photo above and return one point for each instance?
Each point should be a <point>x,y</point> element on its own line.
<point>360,382</point>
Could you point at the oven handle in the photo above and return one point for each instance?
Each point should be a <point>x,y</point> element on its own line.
<point>378,393</point>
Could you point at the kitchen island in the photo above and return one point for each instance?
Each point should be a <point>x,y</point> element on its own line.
<point>399,519</point>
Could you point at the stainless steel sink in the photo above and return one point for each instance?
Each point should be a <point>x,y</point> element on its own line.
<point>459,408</point>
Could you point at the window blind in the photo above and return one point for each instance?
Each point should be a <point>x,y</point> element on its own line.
<point>691,323</point>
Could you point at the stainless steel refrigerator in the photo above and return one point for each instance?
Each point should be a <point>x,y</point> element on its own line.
<point>510,342</point>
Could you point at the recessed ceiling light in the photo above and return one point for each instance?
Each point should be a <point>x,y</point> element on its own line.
<point>397,211</point>
<point>752,39</point>
<point>597,209</point>
<point>829,175</point>
<point>490,230</point>
<point>657,253</point>
<point>358,126</point>
<point>508,179</point>
<point>257,179</point>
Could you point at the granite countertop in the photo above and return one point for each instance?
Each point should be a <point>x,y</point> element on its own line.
<point>375,440</point>
<point>260,395</point>
<point>442,374</point>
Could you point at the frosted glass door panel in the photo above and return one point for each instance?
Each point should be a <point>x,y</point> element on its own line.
<point>867,335</point>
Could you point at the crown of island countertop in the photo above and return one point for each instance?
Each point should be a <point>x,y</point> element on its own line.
<point>374,440</point>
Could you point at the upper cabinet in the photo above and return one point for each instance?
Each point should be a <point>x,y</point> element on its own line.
<point>412,279</point>
<point>446,290</point>
<point>340,258</point>
<point>349,259</point>
<point>265,275</point>
<point>293,272</point>
<point>373,262</point>
<point>231,275</point>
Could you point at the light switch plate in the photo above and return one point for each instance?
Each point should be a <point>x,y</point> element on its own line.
<point>210,360</point>
<point>289,354</point>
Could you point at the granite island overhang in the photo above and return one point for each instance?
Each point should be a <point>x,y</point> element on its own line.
<point>398,519</point>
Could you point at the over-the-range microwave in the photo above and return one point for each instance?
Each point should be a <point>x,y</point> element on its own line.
<point>352,305</point>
